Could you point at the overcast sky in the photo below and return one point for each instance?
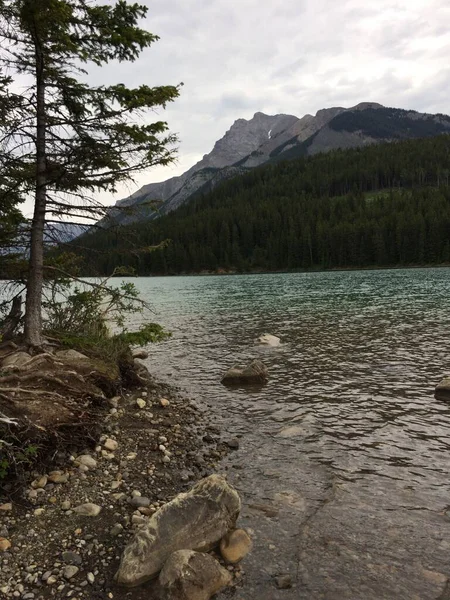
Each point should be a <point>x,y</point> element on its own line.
<point>286,56</point>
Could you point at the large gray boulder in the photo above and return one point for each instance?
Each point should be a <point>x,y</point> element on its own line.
<point>442,391</point>
<point>189,575</point>
<point>196,520</point>
<point>254,373</point>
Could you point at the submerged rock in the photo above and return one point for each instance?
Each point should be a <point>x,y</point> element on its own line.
<point>189,575</point>
<point>269,340</point>
<point>196,520</point>
<point>255,373</point>
<point>442,390</point>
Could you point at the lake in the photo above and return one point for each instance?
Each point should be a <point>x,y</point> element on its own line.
<point>344,458</point>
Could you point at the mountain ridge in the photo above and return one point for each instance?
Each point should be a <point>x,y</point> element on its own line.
<point>267,138</point>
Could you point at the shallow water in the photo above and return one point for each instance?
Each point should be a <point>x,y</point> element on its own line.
<point>346,448</point>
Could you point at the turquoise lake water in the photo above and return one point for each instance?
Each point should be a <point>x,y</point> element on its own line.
<point>346,442</point>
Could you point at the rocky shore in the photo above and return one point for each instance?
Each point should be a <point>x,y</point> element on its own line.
<point>63,531</point>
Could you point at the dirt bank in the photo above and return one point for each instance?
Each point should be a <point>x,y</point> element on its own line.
<point>152,445</point>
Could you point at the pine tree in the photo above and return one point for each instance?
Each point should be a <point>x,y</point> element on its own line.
<point>62,140</point>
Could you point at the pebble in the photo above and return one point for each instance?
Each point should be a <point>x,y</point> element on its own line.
<point>141,403</point>
<point>164,402</point>
<point>138,520</point>
<point>58,477</point>
<point>65,505</point>
<point>140,501</point>
<point>6,507</point>
<point>70,571</point>
<point>71,558</point>
<point>38,512</point>
<point>4,544</point>
<point>40,482</point>
<point>116,529</point>
<point>87,460</point>
<point>88,509</point>
<point>90,577</point>
<point>111,445</point>
<point>233,444</point>
<point>284,582</point>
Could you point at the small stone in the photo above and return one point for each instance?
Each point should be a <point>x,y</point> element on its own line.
<point>51,580</point>
<point>233,444</point>
<point>114,402</point>
<point>58,477</point>
<point>141,403</point>
<point>88,510</point>
<point>90,577</point>
<point>164,402</point>
<point>70,571</point>
<point>65,505</point>
<point>110,445</point>
<point>116,484</point>
<point>166,459</point>
<point>4,544</point>
<point>71,558</point>
<point>88,461</point>
<point>140,501</point>
<point>40,482</point>
<point>6,507</point>
<point>138,520</point>
<point>116,529</point>
<point>38,512</point>
<point>132,456</point>
<point>284,582</point>
<point>235,545</point>
<point>118,497</point>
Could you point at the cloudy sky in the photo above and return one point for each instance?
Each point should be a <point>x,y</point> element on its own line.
<point>291,56</point>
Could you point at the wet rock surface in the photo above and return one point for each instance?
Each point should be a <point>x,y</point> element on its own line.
<point>255,373</point>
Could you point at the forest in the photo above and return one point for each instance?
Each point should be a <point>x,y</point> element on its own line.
<point>379,206</point>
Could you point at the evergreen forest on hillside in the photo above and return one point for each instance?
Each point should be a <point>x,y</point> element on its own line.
<point>383,205</point>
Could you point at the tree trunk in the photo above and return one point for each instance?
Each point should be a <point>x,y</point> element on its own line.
<point>33,308</point>
<point>12,321</point>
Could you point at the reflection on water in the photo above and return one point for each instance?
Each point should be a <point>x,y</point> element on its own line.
<point>347,427</point>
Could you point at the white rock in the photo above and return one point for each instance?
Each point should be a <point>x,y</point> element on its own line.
<point>269,340</point>
<point>87,461</point>
<point>88,510</point>
<point>141,403</point>
<point>111,445</point>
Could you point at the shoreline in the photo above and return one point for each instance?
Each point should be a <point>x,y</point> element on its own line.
<point>160,450</point>
<point>292,271</point>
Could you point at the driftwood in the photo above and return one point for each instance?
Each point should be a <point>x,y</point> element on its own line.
<point>12,321</point>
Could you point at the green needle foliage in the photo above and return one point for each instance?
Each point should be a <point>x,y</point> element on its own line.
<point>62,139</point>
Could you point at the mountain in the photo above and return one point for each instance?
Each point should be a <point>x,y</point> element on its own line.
<point>239,141</point>
<point>384,205</point>
<point>264,139</point>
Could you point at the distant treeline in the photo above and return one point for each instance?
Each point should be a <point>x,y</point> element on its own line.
<point>382,205</point>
